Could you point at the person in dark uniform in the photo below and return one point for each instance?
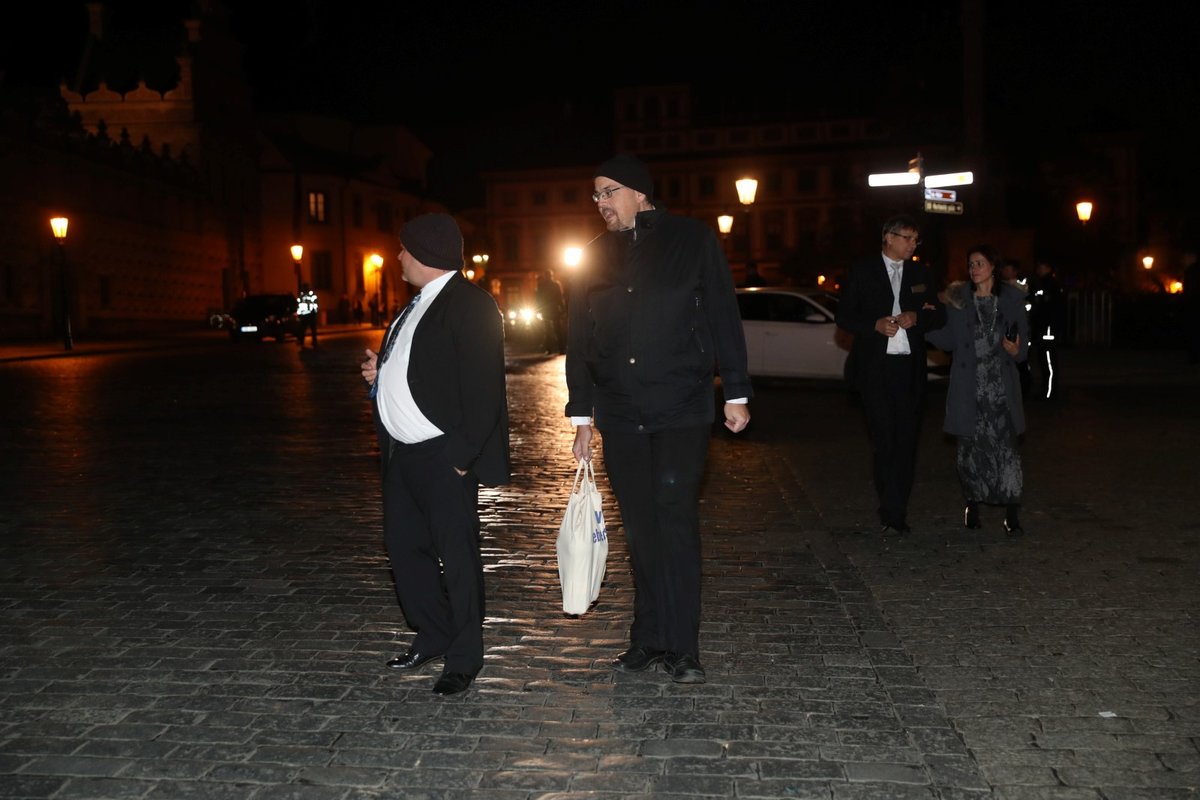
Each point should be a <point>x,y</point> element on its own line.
<point>306,314</point>
<point>1048,321</point>
<point>438,397</point>
<point>889,302</point>
<point>553,310</point>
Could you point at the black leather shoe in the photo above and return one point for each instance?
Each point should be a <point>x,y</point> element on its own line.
<point>638,659</point>
<point>971,516</point>
<point>452,683</point>
<point>412,660</point>
<point>683,668</point>
<point>895,529</point>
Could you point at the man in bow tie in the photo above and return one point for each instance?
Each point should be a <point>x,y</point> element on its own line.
<point>888,303</point>
<point>441,414</point>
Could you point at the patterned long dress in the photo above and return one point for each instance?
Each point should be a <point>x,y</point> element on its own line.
<point>989,465</point>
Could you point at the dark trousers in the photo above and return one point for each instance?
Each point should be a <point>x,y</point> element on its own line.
<point>1044,356</point>
<point>431,530</point>
<point>656,478</point>
<point>892,408</point>
<point>307,322</point>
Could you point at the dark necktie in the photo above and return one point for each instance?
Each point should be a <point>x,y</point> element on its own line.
<point>391,340</point>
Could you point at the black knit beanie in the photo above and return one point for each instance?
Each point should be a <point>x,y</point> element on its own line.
<point>434,240</point>
<point>628,171</point>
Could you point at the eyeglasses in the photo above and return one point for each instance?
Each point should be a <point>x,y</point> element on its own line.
<point>911,238</point>
<point>604,194</point>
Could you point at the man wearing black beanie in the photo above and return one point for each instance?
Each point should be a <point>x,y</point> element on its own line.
<point>441,414</point>
<point>652,316</point>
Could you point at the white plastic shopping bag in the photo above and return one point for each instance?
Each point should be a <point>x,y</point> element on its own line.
<point>582,543</point>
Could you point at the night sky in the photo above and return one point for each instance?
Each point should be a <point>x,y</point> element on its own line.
<point>462,73</point>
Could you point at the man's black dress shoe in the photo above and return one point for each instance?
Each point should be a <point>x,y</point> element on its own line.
<point>452,683</point>
<point>683,668</point>
<point>895,528</point>
<point>638,659</point>
<point>412,660</point>
<point>971,516</point>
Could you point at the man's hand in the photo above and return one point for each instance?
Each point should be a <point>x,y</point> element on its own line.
<point>887,326</point>
<point>907,319</point>
<point>737,416</point>
<point>582,446</point>
<point>369,370</point>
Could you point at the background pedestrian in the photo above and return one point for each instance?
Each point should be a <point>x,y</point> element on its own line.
<point>987,334</point>
<point>888,304</point>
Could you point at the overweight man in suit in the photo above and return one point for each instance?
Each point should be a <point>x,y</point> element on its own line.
<point>440,409</point>
<point>888,302</point>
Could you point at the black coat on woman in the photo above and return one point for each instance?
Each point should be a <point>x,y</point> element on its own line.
<point>958,338</point>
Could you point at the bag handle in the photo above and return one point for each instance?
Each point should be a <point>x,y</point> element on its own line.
<point>587,471</point>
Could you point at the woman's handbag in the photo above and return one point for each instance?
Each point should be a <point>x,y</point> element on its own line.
<point>582,543</point>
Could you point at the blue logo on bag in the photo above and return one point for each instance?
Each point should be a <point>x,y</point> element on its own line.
<point>599,534</point>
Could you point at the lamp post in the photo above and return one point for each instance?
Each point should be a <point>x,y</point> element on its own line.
<point>297,255</point>
<point>725,225</point>
<point>1147,262</point>
<point>480,260</point>
<point>58,225</point>
<point>747,188</point>
<point>1083,209</point>
<point>376,262</point>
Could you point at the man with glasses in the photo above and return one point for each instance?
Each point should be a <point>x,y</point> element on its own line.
<point>652,313</point>
<point>888,303</point>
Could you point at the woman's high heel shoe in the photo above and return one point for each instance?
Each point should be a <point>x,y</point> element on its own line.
<point>1012,522</point>
<point>971,516</point>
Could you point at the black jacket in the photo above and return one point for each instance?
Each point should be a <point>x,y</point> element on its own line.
<point>866,296</point>
<point>652,317</point>
<point>456,375</point>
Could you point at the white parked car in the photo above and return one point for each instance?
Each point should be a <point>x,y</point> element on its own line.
<point>790,332</point>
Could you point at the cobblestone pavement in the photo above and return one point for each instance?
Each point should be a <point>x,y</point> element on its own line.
<point>196,603</point>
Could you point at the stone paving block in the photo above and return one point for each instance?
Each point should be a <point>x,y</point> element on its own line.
<point>1055,792</point>
<point>28,786</point>
<point>782,787</point>
<point>75,765</point>
<point>103,788</point>
<point>1101,777</point>
<point>885,772</point>
<point>603,785</point>
<point>960,772</point>
<point>881,791</point>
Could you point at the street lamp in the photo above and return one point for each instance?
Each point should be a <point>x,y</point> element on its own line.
<point>746,189</point>
<point>58,225</point>
<point>725,225</point>
<point>376,262</point>
<point>1147,262</point>
<point>572,256</point>
<point>480,261</point>
<point>297,255</point>
<point>1084,210</point>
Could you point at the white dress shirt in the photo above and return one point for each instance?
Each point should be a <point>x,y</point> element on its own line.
<point>898,344</point>
<point>397,409</point>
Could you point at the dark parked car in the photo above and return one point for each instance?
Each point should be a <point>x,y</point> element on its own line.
<point>261,316</point>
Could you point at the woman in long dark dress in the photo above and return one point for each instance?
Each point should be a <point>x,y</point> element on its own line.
<point>987,334</point>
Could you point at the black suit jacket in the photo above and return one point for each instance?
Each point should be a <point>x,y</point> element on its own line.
<point>456,375</point>
<point>867,296</point>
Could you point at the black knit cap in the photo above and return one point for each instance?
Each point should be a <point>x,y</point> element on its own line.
<point>434,240</point>
<point>628,171</point>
